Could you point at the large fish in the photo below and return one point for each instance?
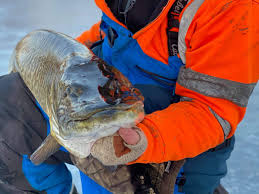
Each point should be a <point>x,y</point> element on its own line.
<point>84,98</point>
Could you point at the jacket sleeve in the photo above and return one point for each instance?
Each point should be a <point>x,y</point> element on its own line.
<point>91,36</point>
<point>219,76</point>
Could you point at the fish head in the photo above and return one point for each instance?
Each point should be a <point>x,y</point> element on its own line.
<point>94,101</point>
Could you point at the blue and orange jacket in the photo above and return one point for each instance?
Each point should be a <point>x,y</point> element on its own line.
<point>218,43</point>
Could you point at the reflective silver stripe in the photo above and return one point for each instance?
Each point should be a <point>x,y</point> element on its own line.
<point>184,26</point>
<point>226,127</point>
<point>184,98</point>
<point>224,123</point>
<point>235,92</point>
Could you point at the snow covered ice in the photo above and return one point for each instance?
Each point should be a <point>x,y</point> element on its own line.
<point>17,18</point>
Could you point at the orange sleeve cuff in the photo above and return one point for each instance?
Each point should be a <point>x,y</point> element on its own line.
<point>155,143</point>
<point>183,130</point>
<point>91,36</point>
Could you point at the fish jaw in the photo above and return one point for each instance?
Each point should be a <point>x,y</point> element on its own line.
<point>78,141</point>
<point>103,122</point>
<point>80,148</point>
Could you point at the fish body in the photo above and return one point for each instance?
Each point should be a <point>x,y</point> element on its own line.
<point>84,98</point>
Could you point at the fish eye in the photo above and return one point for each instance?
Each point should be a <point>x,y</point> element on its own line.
<point>68,91</point>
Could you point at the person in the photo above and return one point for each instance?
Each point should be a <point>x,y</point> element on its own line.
<point>202,51</point>
<point>195,64</point>
<point>23,128</point>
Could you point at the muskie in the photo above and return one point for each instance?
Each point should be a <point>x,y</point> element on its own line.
<point>84,98</point>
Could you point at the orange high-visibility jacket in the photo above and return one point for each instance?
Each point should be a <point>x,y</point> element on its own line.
<point>219,45</point>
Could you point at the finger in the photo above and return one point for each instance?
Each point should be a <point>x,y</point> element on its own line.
<point>129,135</point>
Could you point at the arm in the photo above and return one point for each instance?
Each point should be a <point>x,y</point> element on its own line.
<point>90,36</point>
<point>23,128</point>
<point>219,77</point>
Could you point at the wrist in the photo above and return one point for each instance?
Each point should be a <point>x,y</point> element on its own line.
<point>155,151</point>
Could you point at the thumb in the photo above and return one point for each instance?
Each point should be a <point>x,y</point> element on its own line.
<point>129,135</point>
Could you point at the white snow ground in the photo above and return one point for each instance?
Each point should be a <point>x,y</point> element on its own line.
<point>17,18</point>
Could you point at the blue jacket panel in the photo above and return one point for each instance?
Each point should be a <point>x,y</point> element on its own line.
<point>124,53</point>
<point>91,187</point>
<point>52,178</point>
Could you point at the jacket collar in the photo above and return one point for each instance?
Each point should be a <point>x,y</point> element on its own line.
<point>105,9</point>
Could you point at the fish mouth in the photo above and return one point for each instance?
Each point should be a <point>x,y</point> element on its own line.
<point>119,107</point>
<point>106,120</point>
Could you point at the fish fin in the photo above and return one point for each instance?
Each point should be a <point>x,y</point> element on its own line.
<point>48,147</point>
